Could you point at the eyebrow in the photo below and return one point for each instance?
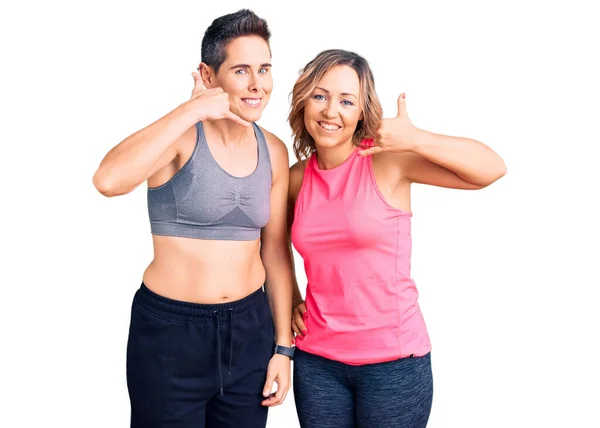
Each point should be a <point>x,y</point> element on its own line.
<point>249,66</point>
<point>343,93</point>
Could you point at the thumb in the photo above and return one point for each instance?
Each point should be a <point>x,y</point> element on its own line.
<point>302,308</point>
<point>402,105</point>
<point>268,384</point>
<point>198,85</point>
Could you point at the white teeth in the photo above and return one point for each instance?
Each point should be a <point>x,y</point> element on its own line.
<point>252,101</point>
<point>328,126</point>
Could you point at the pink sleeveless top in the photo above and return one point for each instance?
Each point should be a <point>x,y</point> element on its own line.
<point>360,298</point>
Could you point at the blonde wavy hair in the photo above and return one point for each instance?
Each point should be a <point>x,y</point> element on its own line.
<point>310,75</point>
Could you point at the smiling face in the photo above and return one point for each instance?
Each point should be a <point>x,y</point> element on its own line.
<point>332,111</point>
<point>245,76</point>
<point>334,103</point>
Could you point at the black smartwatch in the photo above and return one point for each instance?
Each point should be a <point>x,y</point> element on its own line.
<point>284,350</point>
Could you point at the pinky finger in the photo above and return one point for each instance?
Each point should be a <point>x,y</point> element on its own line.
<point>237,119</point>
<point>369,152</point>
<point>296,329</point>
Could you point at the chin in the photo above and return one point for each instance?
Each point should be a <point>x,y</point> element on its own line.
<point>324,140</point>
<point>327,142</point>
<point>251,116</point>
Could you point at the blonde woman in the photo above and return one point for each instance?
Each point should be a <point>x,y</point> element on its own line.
<point>362,348</point>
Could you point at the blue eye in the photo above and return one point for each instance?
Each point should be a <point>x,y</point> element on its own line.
<point>240,71</point>
<point>319,97</point>
<point>263,71</point>
<point>347,103</point>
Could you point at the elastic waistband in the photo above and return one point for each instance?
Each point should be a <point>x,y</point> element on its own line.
<point>193,312</point>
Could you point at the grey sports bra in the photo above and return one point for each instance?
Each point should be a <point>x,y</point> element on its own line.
<point>204,201</point>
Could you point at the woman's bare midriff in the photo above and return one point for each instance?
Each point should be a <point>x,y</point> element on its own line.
<point>204,271</point>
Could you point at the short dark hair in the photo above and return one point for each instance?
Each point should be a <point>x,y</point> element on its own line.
<point>226,28</point>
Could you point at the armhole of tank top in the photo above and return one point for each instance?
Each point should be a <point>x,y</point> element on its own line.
<point>300,192</point>
<point>187,162</point>
<point>369,161</point>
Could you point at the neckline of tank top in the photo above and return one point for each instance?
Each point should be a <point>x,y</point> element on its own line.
<point>353,153</point>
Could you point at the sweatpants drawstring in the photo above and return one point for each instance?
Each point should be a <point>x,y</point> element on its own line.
<point>230,340</point>
<point>215,313</point>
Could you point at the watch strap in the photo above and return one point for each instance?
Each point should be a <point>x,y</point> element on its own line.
<point>284,350</point>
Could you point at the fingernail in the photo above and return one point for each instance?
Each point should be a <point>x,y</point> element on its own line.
<point>293,341</point>
<point>403,96</point>
<point>304,332</point>
<point>305,314</point>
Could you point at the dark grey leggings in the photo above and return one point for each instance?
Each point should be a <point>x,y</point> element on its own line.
<point>330,394</point>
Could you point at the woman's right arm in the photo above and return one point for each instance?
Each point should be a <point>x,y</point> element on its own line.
<point>142,154</point>
<point>298,305</point>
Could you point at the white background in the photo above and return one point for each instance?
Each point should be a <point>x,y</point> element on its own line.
<point>507,274</point>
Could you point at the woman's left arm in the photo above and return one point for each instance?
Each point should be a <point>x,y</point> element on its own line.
<point>433,158</point>
<point>278,265</point>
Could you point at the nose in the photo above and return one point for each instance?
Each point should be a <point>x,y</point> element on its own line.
<point>255,84</point>
<point>330,110</point>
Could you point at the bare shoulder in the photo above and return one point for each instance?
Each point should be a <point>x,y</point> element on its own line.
<point>277,149</point>
<point>296,177</point>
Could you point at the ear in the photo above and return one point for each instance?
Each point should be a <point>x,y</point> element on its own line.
<point>207,74</point>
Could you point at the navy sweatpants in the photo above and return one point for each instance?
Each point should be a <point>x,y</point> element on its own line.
<point>201,366</point>
<point>330,394</point>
